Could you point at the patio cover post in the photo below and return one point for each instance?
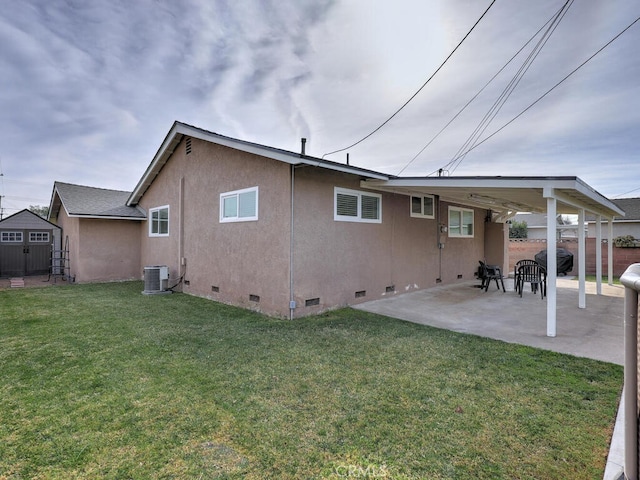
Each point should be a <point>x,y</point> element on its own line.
<point>598,255</point>
<point>582,295</point>
<point>610,251</point>
<point>551,261</point>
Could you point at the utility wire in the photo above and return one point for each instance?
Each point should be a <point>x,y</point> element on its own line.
<point>626,193</point>
<point>460,155</point>
<point>477,95</point>
<point>556,85</point>
<point>418,91</point>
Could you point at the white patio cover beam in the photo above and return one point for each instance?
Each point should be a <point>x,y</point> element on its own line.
<point>582,295</point>
<point>551,262</point>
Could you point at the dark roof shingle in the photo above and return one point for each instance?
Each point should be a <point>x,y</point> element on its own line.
<point>96,202</point>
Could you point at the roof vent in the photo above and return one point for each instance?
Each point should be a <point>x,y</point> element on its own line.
<point>156,279</point>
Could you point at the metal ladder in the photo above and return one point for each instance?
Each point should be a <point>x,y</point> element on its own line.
<point>60,264</point>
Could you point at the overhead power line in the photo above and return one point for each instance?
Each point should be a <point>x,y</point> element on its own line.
<point>627,193</point>
<point>556,85</point>
<point>478,93</point>
<point>460,155</point>
<point>418,91</point>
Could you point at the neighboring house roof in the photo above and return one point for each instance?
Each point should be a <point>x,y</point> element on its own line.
<point>630,206</point>
<point>91,202</point>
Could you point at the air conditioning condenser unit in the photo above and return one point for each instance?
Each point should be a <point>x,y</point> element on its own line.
<point>156,279</point>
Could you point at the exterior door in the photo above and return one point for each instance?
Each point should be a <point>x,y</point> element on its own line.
<point>24,252</point>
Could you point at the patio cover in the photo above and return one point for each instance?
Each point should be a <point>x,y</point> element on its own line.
<point>506,196</point>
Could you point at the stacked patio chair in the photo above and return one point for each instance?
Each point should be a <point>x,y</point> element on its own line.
<point>530,271</point>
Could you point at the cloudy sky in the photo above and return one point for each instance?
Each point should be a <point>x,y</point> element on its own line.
<point>90,88</point>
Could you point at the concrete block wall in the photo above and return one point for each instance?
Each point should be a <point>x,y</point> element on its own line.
<point>520,249</point>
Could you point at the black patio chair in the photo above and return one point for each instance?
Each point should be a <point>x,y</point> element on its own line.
<point>534,274</point>
<point>491,272</point>
<point>516,279</point>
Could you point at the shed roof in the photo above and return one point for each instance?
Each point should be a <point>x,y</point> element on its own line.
<point>91,202</point>
<point>26,219</point>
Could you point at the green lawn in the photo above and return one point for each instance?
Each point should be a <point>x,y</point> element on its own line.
<point>100,381</point>
<point>592,278</point>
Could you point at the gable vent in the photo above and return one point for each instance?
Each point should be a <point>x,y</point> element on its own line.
<point>187,145</point>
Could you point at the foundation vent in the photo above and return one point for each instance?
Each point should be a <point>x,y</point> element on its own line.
<point>215,289</point>
<point>254,298</point>
<point>310,302</point>
<point>390,289</point>
<point>361,293</point>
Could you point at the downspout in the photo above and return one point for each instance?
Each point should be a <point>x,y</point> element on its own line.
<point>440,233</point>
<point>631,281</point>
<point>292,302</point>
<point>182,261</point>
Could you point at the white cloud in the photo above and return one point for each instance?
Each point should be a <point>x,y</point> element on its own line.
<point>95,87</point>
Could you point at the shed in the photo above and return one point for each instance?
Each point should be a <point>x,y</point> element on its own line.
<point>26,244</point>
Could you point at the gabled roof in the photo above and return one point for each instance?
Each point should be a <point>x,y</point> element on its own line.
<point>26,219</point>
<point>180,130</point>
<point>91,202</point>
<point>630,206</point>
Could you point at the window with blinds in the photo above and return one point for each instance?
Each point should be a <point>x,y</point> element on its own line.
<point>357,206</point>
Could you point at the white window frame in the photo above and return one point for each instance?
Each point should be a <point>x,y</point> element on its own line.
<point>38,237</point>
<point>358,216</point>
<point>151,221</point>
<point>460,212</point>
<point>237,194</point>
<point>422,214</point>
<point>6,237</point>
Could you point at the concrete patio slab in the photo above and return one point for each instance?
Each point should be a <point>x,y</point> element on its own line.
<point>593,332</point>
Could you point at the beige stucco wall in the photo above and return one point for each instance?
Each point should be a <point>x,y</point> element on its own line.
<point>496,241</point>
<point>248,263</point>
<point>109,250</point>
<point>334,260</point>
<point>101,250</point>
<point>245,262</point>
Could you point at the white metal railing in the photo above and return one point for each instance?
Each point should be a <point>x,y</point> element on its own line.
<point>631,281</point>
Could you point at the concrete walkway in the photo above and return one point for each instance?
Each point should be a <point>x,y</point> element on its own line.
<point>595,332</point>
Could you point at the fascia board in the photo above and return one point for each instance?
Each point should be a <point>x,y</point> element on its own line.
<point>102,217</point>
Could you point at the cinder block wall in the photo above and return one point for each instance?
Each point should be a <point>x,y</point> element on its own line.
<point>520,249</point>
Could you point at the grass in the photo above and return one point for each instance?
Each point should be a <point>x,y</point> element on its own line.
<point>592,278</point>
<point>99,381</point>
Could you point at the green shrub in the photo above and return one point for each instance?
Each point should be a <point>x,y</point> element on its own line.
<point>625,241</point>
